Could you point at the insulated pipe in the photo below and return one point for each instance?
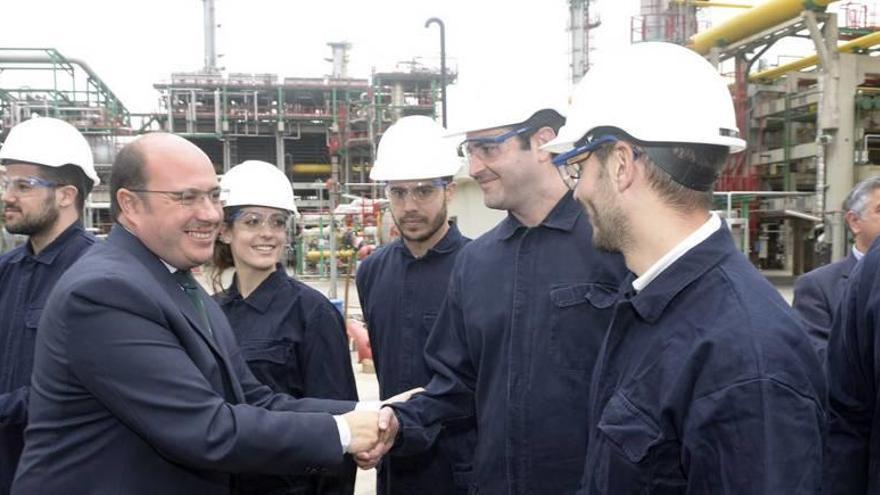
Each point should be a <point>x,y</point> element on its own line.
<point>754,20</point>
<point>210,36</point>
<point>862,43</point>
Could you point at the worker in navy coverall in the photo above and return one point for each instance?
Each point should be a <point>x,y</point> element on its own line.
<point>817,294</point>
<point>49,174</point>
<point>139,386</point>
<point>401,287</point>
<point>519,331</point>
<point>706,382</point>
<point>291,336</point>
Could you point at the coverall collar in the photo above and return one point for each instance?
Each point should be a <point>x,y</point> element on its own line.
<point>651,302</point>
<point>49,253</point>
<point>562,217</point>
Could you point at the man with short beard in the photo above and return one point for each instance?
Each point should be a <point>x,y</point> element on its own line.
<point>523,318</point>
<point>401,286</point>
<point>49,172</point>
<point>706,382</point>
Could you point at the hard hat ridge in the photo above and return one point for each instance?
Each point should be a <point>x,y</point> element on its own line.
<point>415,148</point>
<point>257,183</point>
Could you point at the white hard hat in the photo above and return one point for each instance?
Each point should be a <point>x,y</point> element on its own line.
<point>502,110</point>
<point>657,93</point>
<point>415,148</point>
<point>51,143</point>
<point>257,183</point>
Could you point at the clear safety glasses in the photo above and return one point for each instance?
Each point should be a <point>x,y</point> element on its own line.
<point>21,186</point>
<point>254,222</point>
<point>486,148</point>
<point>420,192</point>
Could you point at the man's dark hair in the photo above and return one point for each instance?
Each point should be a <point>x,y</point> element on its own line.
<point>127,173</point>
<point>540,119</point>
<point>69,175</point>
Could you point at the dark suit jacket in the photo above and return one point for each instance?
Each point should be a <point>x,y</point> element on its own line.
<point>817,295</point>
<point>132,395</point>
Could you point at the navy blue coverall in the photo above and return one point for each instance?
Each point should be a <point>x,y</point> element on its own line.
<point>294,341</point>
<point>513,346</point>
<point>706,383</point>
<point>400,296</point>
<point>853,460</point>
<point>25,282</point>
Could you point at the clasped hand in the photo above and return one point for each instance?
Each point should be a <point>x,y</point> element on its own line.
<point>373,434</point>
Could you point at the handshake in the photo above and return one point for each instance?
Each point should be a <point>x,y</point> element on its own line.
<point>372,433</point>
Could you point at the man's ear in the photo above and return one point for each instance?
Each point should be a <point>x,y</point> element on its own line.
<point>852,220</point>
<point>622,166</point>
<point>541,137</point>
<point>128,202</point>
<point>65,196</point>
<point>450,191</point>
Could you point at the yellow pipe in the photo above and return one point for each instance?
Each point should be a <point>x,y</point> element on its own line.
<point>710,3</point>
<point>316,168</point>
<point>754,20</point>
<point>862,43</point>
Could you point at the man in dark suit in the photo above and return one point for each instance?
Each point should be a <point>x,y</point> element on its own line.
<point>139,386</point>
<point>817,293</point>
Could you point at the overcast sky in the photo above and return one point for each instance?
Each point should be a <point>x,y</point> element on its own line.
<point>518,46</point>
<point>499,47</point>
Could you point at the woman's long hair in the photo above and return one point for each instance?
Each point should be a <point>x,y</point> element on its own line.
<point>222,259</point>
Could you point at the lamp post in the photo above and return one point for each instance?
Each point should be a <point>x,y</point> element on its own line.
<point>439,22</point>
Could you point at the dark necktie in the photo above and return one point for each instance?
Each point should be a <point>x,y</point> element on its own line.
<point>191,288</point>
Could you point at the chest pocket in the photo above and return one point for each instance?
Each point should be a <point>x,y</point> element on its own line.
<point>580,315</point>
<point>633,454</point>
<point>270,362</point>
<point>625,440</point>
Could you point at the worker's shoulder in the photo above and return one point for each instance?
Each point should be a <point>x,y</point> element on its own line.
<point>380,256</point>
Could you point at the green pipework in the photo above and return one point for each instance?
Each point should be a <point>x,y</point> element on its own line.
<point>812,5</point>
<point>280,108</point>
<point>224,98</point>
<point>435,89</point>
<point>300,256</point>
<point>320,248</point>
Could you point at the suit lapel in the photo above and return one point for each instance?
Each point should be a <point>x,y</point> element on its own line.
<point>848,265</point>
<point>222,336</point>
<point>131,244</point>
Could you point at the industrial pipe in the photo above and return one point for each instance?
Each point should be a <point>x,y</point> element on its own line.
<point>862,43</point>
<point>752,21</point>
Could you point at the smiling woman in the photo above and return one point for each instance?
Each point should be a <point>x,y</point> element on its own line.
<point>291,336</point>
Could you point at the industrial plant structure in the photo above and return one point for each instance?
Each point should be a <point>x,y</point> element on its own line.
<point>813,125</point>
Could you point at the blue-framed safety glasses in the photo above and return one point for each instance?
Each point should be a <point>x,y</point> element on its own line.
<point>486,148</point>
<point>570,164</point>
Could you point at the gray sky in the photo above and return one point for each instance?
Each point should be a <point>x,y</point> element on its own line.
<point>499,47</point>
<point>514,49</point>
